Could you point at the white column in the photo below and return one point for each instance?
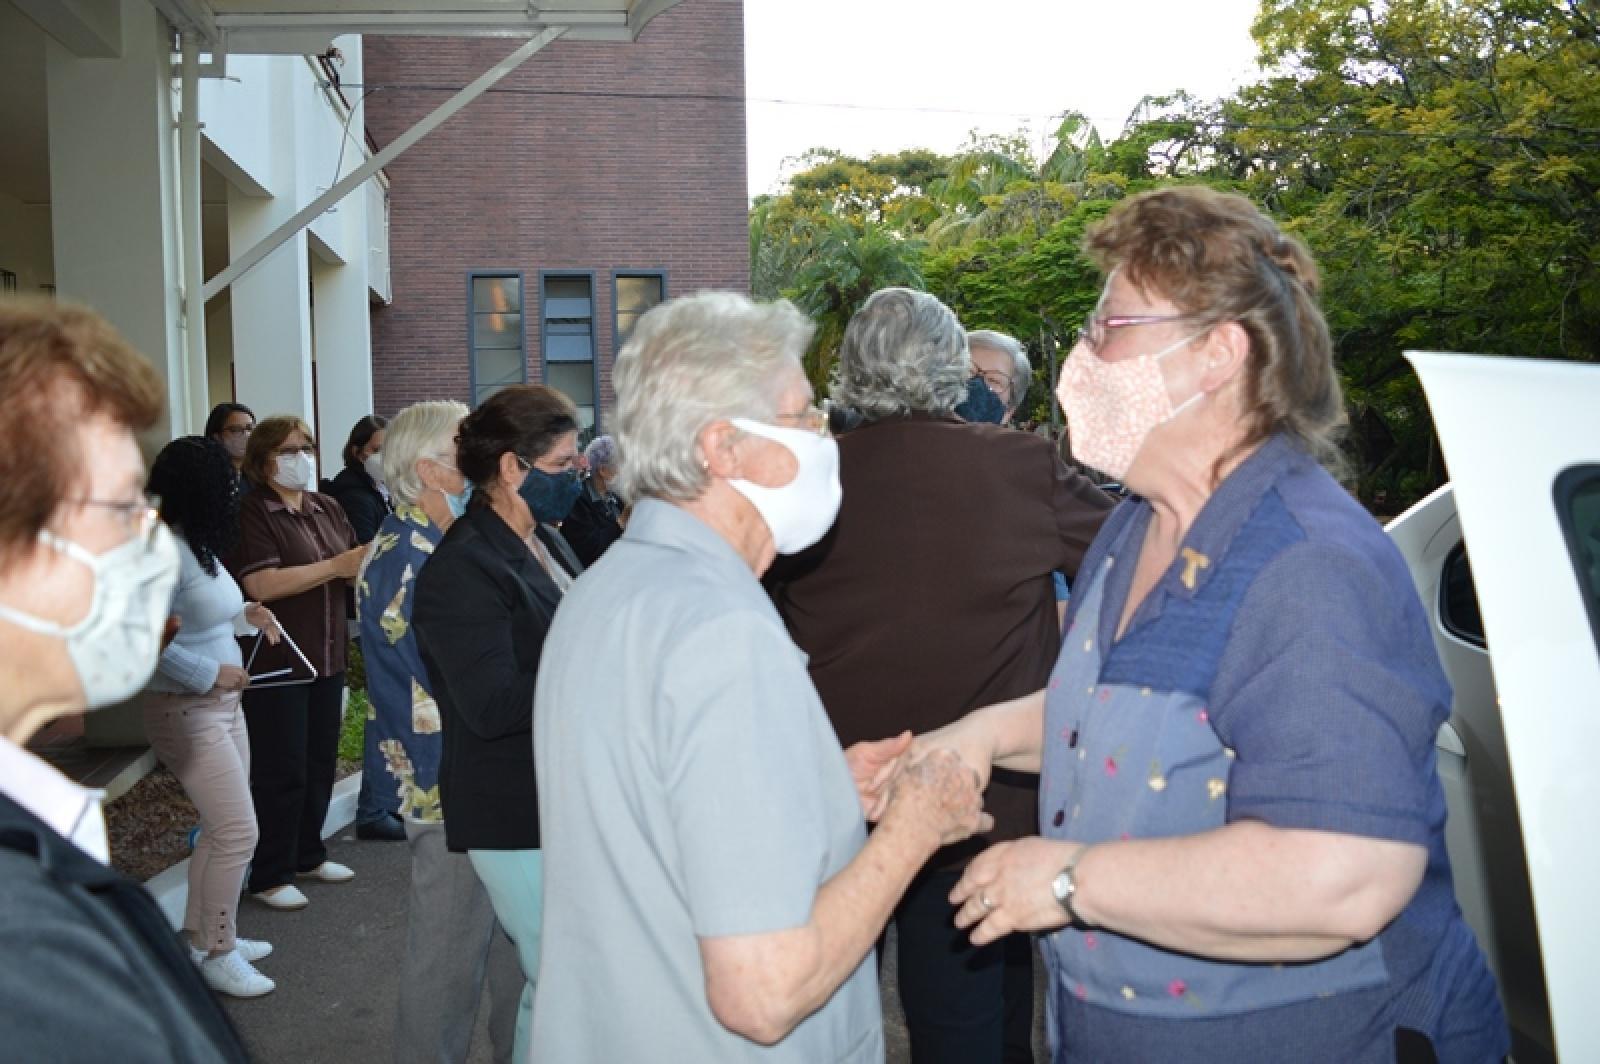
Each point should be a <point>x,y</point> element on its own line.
<point>114,199</point>
<point>344,351</point>
<point>271,318</point>
<point>271,304</point>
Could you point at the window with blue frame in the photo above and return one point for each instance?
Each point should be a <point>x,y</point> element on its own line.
<point>633,294</point>
<point>568,323</point>
<point>499,351</point>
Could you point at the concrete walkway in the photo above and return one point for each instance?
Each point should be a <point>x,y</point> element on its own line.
<point>337,962</point>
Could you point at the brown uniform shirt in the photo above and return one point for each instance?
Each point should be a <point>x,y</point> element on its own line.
<point>272,536</point>
<point>932,594</point>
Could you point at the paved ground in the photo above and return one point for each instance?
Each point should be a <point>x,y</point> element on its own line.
<point>337,965</point>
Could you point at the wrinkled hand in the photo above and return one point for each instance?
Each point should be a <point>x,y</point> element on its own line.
<point>348,564</point>
<point>264,619</point>
<point>1007,888</point>
<point>873,766</point>
<point>231,678</point>
<point>940,795</point>
<point>964,738</point>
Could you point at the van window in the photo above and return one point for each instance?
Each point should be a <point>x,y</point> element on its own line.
<point>1458,598</point>
<point>1578,508</point>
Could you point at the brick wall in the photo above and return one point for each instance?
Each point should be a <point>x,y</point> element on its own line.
<point>532,179</point>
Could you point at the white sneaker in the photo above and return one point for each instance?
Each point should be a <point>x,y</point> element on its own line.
<point>250,949</point>
<point>231,974</point>
<point>285,898</point>
<point>330,872</point>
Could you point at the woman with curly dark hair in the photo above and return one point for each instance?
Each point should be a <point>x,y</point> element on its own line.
<point>191,708</point>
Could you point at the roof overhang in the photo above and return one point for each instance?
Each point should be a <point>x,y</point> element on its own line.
<point>303,27</point>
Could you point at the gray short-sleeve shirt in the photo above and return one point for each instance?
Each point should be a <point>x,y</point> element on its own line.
<point>690,787</point>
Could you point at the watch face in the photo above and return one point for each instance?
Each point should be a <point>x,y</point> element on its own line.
<point>1063,887</point>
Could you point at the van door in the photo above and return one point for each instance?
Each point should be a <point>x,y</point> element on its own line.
<point>1522,445</point>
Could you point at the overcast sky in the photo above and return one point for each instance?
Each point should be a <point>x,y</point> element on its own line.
<point>924,73</point>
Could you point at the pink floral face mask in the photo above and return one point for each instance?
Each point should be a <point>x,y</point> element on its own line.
<point>1112,406</point>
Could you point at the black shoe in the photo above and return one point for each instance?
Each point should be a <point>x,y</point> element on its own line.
<point>385,829</point>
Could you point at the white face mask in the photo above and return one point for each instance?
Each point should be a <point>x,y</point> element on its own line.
<point>801,511</point>
<point>115,647</point>
<point>373,464</point>
<point>296,472</point>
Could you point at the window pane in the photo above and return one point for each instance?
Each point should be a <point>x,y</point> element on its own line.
<point>1578,506</point>
<point>497,330</point>
<point>1458,599</point>
<point>496,294</point>
<point>638,294</point>
<point>575,380</point>
<point>569,347</point>
<point>495,366</point>
<point>575,288</point>
<point>635,295</point>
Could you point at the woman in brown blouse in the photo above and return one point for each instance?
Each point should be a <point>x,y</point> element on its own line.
<point>296,552</point>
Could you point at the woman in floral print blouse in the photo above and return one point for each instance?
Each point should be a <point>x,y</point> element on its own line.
<point>452,925</point>
<point>1242,827</point>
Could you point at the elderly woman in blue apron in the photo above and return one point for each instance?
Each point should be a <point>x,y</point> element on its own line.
<point>1242,828</point>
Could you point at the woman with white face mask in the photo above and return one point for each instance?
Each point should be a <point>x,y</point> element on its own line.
<point>359,487</point>
<point>87,571</point>
<point>296,555</point>
<point>1241,851</point>
<point>706,855</point>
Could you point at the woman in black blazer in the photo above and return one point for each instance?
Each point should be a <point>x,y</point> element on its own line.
<point>484,604</point>
<point>359,486</point>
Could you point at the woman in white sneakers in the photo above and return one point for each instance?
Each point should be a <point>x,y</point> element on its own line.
<point>192,714</point>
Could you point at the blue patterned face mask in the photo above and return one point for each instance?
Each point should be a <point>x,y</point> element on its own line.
<point>551,496</point>
<point>981,404</point>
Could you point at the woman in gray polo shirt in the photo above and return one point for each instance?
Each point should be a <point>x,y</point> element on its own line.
<point>710,891</point>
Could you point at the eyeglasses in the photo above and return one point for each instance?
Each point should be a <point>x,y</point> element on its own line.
<point>808,418</point>
<point>1093,332</point>
<point>998,382</point>
<point>139,518</point>
<point>239,430</point>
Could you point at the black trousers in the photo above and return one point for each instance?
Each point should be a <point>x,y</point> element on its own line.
<point>963,1005</point>
<point>294,743</point>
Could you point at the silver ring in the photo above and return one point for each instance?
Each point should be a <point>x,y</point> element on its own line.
<point>983,900</point>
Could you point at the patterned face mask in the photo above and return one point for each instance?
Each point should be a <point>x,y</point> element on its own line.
<point>1112,406</point>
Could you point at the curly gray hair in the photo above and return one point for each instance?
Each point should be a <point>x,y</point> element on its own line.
<point>601,453</point>
<point>692,361</point>
<point>904,352</point>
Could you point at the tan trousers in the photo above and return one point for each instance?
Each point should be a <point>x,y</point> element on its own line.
<point>202,740</point>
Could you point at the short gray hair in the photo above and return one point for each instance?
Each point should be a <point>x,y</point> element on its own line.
<point>1022,369</point>
<point>692,361</point>
<point>421,430</point>
<point>904,352</point>
<point>601,453</point>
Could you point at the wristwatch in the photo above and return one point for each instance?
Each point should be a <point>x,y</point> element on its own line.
<point>1066,885</point>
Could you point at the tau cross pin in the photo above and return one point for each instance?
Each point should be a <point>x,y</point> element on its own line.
<point>1193,562</point>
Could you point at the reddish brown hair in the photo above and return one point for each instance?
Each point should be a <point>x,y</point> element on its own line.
<point>1219,258</point>
<point>59,364</point>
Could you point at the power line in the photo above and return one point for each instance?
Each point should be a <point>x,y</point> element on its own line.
<point>1575,137</point>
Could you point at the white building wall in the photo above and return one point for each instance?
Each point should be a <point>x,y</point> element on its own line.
<point>113,196</point>
<point>25,244</point>
<point>282,140</point>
